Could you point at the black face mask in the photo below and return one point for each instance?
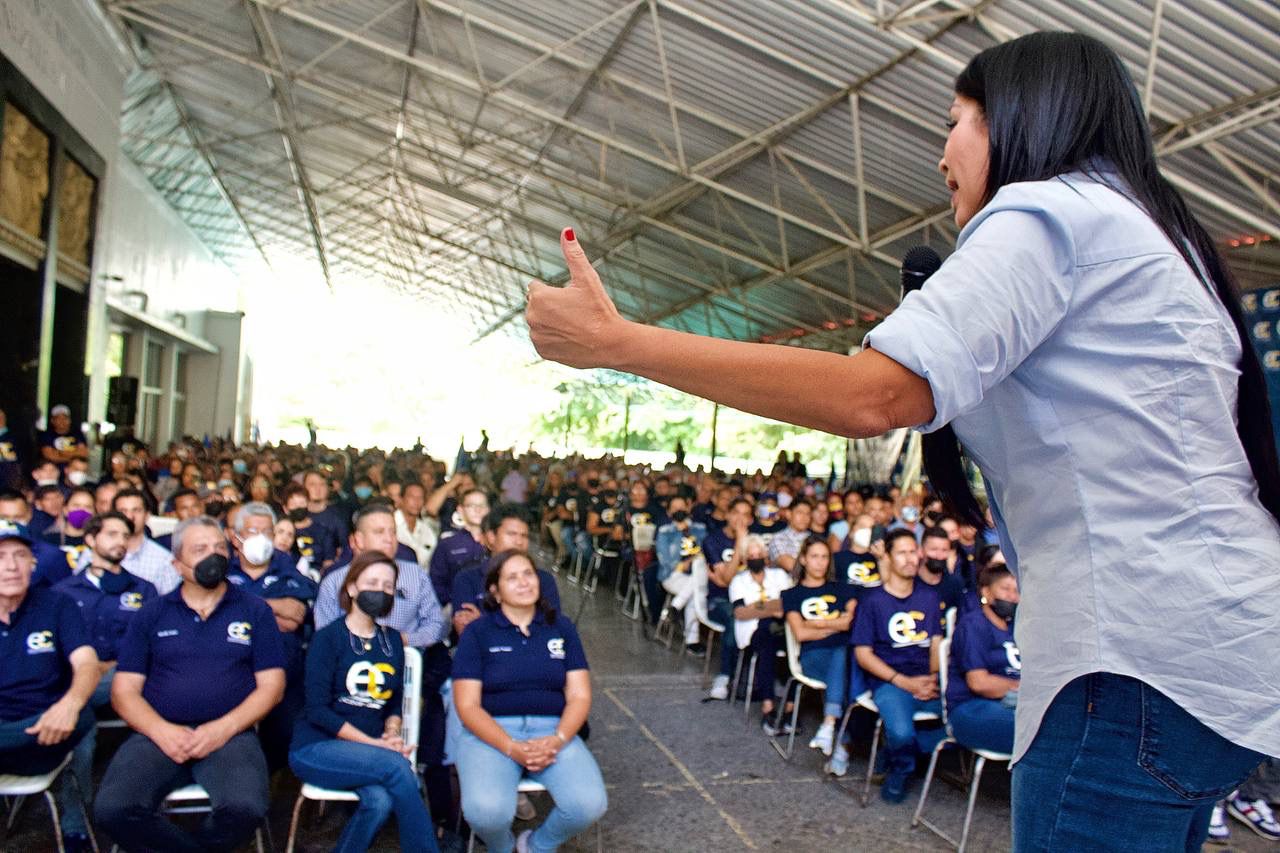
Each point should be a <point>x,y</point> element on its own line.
<point>679,516</point>
<point>1004,609</point>
<point>297,514</point>
<point>374,603</point>
<point>936,566</point>
<point>211,571</point>
<point>114,583</point>
<point>608,497</point>
<point>213,508</point>
<point>593,484</point>
<point>755,564</point>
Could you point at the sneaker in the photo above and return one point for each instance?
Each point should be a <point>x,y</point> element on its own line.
<point>838,766</point>
<point>720,688</point>
<point>524,808</point>
<point>696,649</point>
<point>824,739</point>
<point>894,789</point>
<point>1219,832</point>
<point>522,841</point>
<point>1256,815</point>
<point>767,726</point>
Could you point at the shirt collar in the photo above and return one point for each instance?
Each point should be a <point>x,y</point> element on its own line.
<point>500,619</point>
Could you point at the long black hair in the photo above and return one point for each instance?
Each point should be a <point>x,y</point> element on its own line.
<point>1063,102</point>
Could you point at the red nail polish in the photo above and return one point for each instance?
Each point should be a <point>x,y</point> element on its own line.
<point>568,233</point>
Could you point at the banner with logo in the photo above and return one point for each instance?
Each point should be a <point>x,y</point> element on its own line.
<point>1262,317</point>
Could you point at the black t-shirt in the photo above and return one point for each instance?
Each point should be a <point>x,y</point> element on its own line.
<point>817,604</point>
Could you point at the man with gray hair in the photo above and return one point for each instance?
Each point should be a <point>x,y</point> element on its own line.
<point>197,669</point>
<point>259,569</point>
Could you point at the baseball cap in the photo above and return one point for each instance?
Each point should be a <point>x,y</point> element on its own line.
<point>14,530</point>
<point>61,409</point>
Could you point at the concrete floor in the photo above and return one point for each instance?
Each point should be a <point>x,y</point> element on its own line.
<point>687,775</point>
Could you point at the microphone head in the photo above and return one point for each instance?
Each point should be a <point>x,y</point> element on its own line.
<point>918,264</point>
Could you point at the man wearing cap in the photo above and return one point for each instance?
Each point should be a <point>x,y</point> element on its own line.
<point>50,668</point>
<point>51,561</point>
<point>108,597</point>
<point>62,442</point>
<point>198,667</point>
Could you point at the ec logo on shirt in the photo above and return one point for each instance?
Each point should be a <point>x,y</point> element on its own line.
<point>369,679</point>
<point>130,601</point>
<point>902,629</point>
<point>239,632</point>
<point>819,607</point>
<point>39,642</point>
<point>556,648</point>
<point>1013,655</point>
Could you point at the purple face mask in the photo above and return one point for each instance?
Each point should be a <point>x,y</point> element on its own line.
<point>78,518</point>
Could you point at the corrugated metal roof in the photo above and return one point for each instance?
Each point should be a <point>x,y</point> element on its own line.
<point>705,151</point>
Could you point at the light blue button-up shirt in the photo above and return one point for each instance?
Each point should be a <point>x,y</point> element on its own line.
<point>1093,378</point>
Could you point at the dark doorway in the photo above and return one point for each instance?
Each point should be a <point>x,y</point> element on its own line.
<point>67,380</point>
<point>20,353</point>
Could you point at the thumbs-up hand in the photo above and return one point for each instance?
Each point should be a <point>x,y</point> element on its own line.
<point>576,324</point>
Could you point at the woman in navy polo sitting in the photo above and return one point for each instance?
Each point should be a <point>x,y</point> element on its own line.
<point>985,668</point>
<point>348,737</point>
<point>522,691</point>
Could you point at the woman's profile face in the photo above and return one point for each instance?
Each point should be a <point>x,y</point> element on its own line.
<point>965,158</point>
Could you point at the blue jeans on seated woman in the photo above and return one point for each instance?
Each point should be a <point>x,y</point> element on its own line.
<point>901,737</point>
<point>829,665</point>
<point>385,782</point>
<point>1117,765</point>
<point>982,724</point>
<point>488,780</point>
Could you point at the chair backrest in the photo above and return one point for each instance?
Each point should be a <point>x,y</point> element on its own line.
<point>642,536</point>
<point>944,673</point>
<point>412,707</point>
<point>793,651</point>
<point>949,621</point>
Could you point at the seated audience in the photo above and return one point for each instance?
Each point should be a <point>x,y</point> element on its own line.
<point>145,559</point>
<point>186,504</point>
<point>349,736</point>
<point>939,564</point>
<point>522,692</point>
<point>506,528</point>
<point>411,528</point>
<point>726,551</point>
<point>682,567</point>
<point>67,530</point>
<point>461,545</point>
<point>51,562</point>
<point>198,668</point>
<point>895,636</point>
<point>985,668</point>
<point>785,546</point>
<point>756,593</point>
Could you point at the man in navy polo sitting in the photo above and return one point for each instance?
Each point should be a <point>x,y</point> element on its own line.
<point>109,597</point>
<point>259,569</point>
<point>51,561</point>
<point>49,667</point>
<point>506,528</point>
<point>198,668</point>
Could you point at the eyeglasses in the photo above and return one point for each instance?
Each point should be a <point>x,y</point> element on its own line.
<point>475,506</point>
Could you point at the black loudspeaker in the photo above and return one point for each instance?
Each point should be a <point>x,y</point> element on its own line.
<point>122,400</point>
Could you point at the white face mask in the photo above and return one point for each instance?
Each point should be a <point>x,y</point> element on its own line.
<point>784,500</point>
<point>77,478</point>
<point>862,538</point>
<point>257,549</point>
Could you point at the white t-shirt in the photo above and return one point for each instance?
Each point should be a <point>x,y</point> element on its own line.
<point>743,588</point>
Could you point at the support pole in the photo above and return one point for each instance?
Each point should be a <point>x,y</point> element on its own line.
<point>626,429</point>
<point>715,417</point>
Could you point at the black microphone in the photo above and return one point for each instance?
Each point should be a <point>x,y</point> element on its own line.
<point>918,264</point>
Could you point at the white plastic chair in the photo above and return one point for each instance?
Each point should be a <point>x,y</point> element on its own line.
<point>528,786</point>
<point>714,630</point>
<point>949,622</point>
<point>801,681</point>
<point>411,714</point>
<point>21,787</point>
<point>983,756</point>
<point>864,700</point>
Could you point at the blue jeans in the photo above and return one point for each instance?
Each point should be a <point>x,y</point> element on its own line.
<point>140,776</point>
<point>21,754</point>
<point>488,780</point>
<point>1116,765</point>
<point>720,611</point>
<point>385,782</point>
<point>982,724</point>
<point>70,793</point>
<point>829,665</point>
<point>902,740</point>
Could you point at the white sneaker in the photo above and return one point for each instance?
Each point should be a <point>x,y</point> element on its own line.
<point>1219,832</point>
<point>720,687</point>
<point>524,807</point>
<point>824,739</point>
<point>839,764</point>
<point>522,841</point>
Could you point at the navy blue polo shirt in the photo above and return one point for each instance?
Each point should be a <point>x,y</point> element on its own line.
<point>52,563</point>
<point>979,644</point>
<point>199,669</point>
<point>107,616</point>
<point>281,580</point>
<point>898,630</point>
<point>521,676</point>
<point>36,648</point>
<point>67,442</point>
<point>348,683</point>
<point>468,586</point>
<point>718,548</point>
<point>455,550</point>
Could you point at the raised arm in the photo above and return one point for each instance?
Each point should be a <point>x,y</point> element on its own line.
<point>578,325</point>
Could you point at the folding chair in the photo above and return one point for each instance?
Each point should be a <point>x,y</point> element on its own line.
<point>528,786</point>
<point>801,681</point>
<point>949,622</point>
<point>864,700</point>
<point>412,714</point>
<point>982,755</point>
<point>714,630</point>
<point>21,787</point>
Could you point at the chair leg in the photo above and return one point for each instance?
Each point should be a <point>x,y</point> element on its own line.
<point>973,797</point>
<point>751,681</point>
<point>57,824</point>
<point>84,809</point>
<point>293,824</point>
<point>871,762</point>
<point>599,838</point>
<point>795,718</point>
<point>928,780</point>
<point>706,663</point>
<point>737,676</point>
<point>839,738</point>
